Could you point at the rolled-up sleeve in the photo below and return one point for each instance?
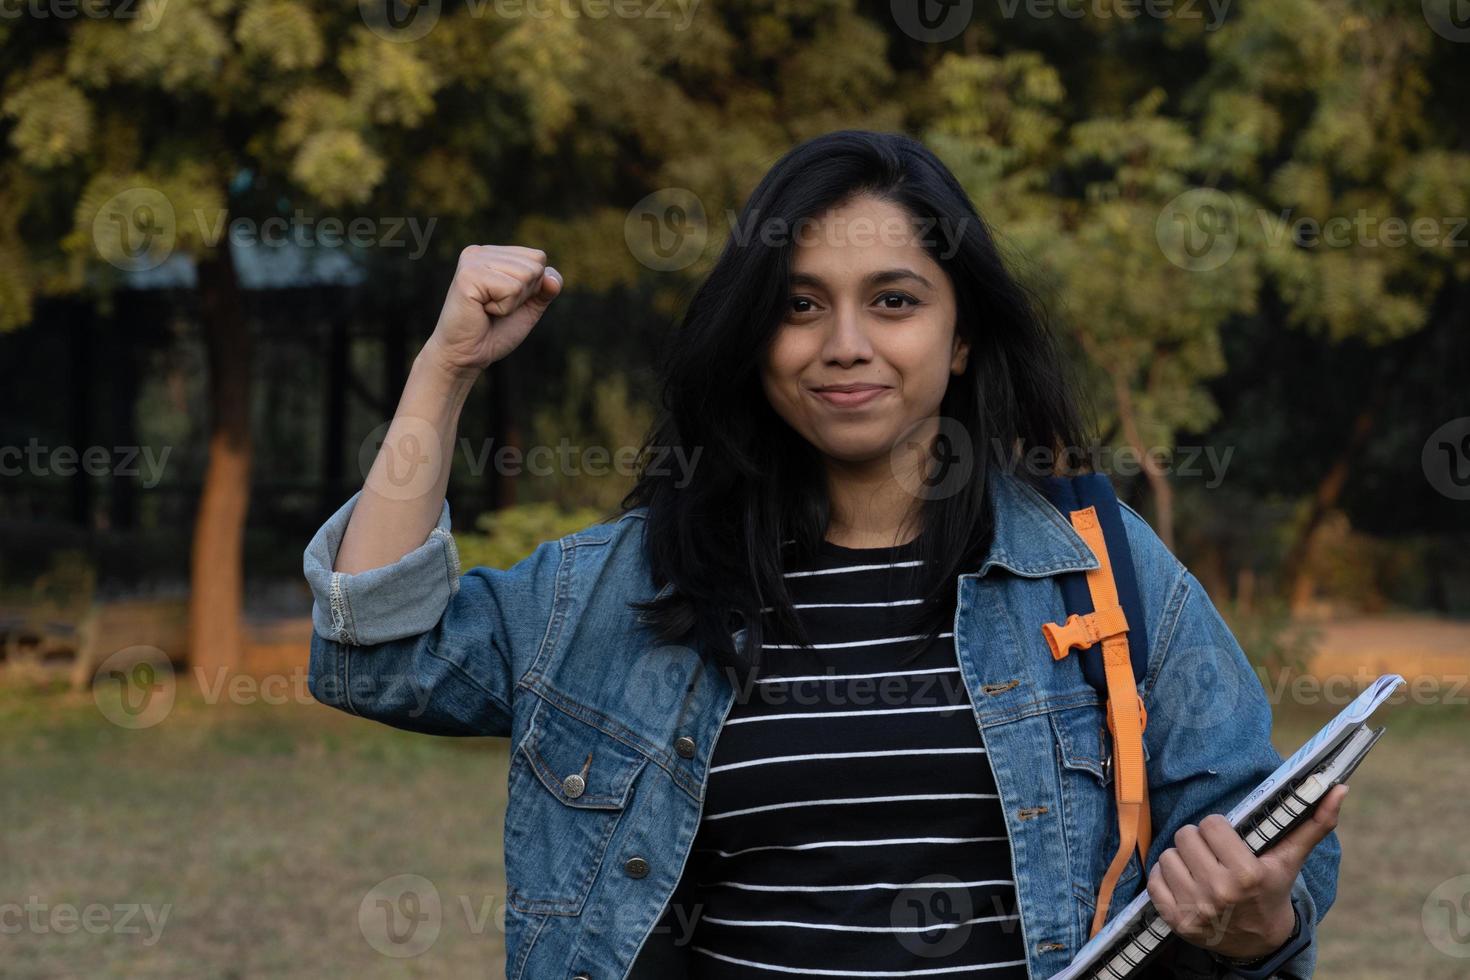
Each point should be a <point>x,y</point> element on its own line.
<point>419,646</point>
<point>387,603</point>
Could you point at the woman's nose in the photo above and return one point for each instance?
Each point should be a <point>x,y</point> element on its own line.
<point>847,340</point>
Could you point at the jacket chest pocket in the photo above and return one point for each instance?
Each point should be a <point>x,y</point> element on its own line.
<point>1083,749</point>
<point>569,784</point>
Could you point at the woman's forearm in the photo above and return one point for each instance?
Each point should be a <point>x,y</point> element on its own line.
<point>498,294</point>
<point>404,491</point>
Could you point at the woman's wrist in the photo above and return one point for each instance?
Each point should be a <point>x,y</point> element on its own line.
<point>1296,929</point>
<point>453,380</point>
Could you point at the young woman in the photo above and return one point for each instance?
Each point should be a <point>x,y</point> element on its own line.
<point>792,713</point>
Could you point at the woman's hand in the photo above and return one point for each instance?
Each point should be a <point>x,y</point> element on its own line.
<point>1213,892</point>
<point>498,294</point>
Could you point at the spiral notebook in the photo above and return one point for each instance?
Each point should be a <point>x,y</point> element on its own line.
<point>1282,800</point>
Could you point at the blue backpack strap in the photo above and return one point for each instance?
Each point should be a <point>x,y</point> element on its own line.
<point>1096,490</point>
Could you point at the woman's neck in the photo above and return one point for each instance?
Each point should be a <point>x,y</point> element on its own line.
<point>868,506</point>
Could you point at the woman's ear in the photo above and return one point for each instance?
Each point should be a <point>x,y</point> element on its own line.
<point>960,357</point>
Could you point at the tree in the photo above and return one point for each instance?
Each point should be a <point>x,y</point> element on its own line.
<point>153,131</point>
<point>1166,175</point>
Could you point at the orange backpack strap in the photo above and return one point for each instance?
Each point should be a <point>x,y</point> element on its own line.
<point>1125,712</point>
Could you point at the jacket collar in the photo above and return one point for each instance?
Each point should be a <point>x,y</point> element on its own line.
<point>1032,538</point>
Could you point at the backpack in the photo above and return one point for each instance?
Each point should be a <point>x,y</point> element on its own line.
<point>1105,625</point>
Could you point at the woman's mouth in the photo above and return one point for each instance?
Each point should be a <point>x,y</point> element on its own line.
<point>849,395</point>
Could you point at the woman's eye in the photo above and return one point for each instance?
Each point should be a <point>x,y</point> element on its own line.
<point>797,307</point>
<point>896,301</point>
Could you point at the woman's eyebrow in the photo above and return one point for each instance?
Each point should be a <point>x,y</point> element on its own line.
<point>881,278</point>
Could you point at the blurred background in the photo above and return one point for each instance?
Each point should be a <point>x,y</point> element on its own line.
<point>226,226</point>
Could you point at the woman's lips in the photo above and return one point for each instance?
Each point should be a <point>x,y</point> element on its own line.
<point>850,398</point>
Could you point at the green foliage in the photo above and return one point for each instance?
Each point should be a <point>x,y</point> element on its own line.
<point>596,414</point>
<point>506,536</point>
<point>53,123</point>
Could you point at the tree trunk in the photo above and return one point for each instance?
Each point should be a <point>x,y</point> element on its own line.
<point>1158,481</point>
<point>216,597</point>
<point>1296,573</point>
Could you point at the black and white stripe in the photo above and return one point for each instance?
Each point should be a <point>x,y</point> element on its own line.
<point>851,824</point>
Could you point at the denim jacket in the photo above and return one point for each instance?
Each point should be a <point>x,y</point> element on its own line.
<point>611,733</point>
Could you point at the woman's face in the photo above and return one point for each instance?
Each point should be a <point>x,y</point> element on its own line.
<point>867,343</point>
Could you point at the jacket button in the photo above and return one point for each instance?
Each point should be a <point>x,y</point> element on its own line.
<point>684,745</point>
<point>636,867</point>
<point>573,786</point>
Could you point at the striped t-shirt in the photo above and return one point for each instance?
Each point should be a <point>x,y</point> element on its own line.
<point>851,825</point>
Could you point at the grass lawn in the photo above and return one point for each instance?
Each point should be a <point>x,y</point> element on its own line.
<point>259,830</point>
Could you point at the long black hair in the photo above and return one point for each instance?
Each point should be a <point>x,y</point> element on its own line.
<point>717,539</point>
